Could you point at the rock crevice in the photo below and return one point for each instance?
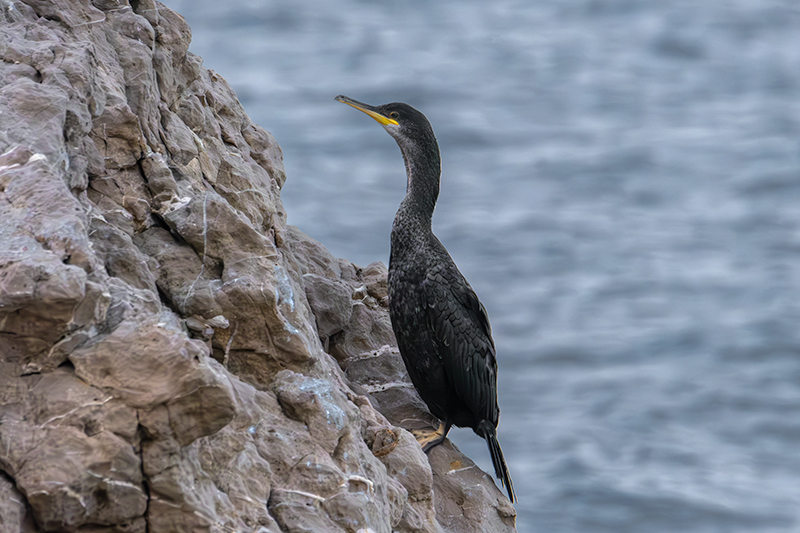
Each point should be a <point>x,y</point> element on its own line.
<point>173,355</point>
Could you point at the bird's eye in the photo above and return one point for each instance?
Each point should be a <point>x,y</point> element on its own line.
<point>394,114</point>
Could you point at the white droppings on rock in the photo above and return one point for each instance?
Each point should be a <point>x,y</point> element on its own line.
<point>283,288</point>
<point>177,203</point>
<point>323,390</point>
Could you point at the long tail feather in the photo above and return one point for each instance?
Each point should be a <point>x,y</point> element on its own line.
<point>499,462</point>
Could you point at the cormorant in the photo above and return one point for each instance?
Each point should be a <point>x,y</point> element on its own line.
<point>442,328</point>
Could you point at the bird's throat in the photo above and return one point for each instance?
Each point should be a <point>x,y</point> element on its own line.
<point>423,171</point>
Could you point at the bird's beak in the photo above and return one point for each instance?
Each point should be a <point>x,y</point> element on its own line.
<point>368,109</point>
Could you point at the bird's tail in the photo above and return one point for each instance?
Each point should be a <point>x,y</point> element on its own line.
<point>499,462</point>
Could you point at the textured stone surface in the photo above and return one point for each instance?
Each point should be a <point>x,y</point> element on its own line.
<point>15,515</point>
<point>173,356</point>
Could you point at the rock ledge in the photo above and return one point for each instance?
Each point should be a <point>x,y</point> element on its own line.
<point>173,356</point>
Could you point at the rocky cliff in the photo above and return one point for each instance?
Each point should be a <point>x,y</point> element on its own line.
<point>173,356</point>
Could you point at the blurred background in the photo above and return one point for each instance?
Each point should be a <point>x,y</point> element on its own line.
<point>621,187</point>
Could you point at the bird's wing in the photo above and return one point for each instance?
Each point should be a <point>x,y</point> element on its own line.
<point>463,335</point>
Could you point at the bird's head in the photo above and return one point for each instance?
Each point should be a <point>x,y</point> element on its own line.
<point>403,122</point>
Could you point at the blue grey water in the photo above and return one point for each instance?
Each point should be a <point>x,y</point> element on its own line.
<point>621,187</point>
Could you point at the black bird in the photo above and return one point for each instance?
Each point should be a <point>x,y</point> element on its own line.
<point>442,328</point>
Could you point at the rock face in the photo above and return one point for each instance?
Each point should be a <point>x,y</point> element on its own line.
<point>173,356</point>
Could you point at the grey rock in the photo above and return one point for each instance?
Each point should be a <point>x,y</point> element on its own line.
<point>15,514</point>
<point>331,302</point>
<point>173,355</point>
<point>70,449</point>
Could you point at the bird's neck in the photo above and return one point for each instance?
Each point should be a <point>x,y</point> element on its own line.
<point>423,169</point>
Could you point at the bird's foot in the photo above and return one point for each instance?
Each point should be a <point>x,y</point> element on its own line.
<point>430,438</point>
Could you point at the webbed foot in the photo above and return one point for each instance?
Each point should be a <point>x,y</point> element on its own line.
<point>430,438</point>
